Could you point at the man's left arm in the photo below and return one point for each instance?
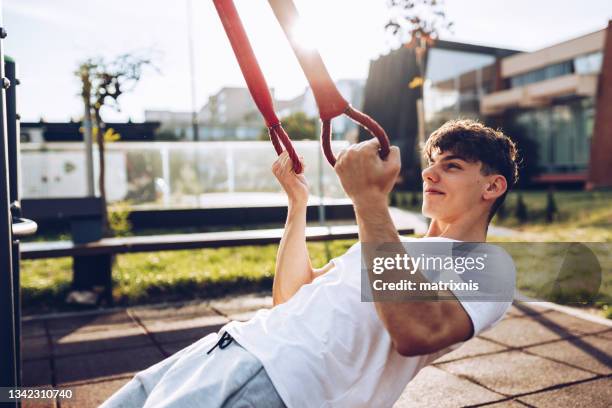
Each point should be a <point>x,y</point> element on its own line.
<point>416,327</point>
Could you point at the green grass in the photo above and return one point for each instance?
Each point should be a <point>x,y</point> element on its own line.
<point>170,275</point>
<point>576,207</point>
<point>159,276</point>
<point>582,216</point>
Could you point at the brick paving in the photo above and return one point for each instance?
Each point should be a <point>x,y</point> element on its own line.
<point>535,357</point>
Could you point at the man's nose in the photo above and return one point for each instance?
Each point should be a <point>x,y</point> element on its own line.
<point>430,174</point>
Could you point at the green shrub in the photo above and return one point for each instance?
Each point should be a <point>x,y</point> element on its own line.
<point>118,218</point>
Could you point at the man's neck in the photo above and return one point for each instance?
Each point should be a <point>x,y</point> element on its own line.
<point>466,229</point>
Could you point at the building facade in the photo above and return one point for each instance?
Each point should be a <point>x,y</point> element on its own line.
<point>342,127</point>
<point>552,95</point>
<point>231,114</point>
<point>455,76</point>
<point>557,100</point>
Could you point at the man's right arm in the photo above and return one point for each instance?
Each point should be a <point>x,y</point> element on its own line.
<point>415,327</point>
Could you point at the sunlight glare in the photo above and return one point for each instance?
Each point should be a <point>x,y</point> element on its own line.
<point>305,36</point>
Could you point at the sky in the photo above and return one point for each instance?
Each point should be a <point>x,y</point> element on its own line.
<point>49,39</point>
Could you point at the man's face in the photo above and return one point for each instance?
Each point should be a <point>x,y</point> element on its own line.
<point>452,187</point>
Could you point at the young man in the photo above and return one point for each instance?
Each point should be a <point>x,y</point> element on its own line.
<point>321,345</point>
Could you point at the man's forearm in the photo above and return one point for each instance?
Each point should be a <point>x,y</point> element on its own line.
<point>293,267</point>
<point>402,319</point>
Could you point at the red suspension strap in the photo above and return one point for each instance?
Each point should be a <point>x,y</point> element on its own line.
<point>254,78</point>
<point>328,98</point>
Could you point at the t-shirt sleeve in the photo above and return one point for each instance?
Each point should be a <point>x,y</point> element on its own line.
<point>485,315</point>
<point>488,305</point>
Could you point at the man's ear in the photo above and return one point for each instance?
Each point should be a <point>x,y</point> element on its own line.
<point>495,186</point>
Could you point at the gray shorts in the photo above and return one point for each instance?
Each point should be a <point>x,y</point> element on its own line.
<point>226,377</point>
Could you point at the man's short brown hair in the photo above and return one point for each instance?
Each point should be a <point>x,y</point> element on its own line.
<point>475,142</point>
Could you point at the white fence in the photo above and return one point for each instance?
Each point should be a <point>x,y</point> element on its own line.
<point>169,173</point>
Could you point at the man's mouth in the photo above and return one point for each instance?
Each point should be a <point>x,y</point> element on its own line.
<point>433,191</point>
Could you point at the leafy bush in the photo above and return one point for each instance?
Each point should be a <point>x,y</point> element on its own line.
<point>118,218</point>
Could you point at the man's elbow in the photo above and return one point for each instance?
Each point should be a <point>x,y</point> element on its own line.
<point>420,342</point>
<point>414,348</point>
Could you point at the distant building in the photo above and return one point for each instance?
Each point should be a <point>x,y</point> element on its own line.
<point>174,125</point>
<point>231,114</point>
<point>342,127</point>
<point>72,131</point>
<point>390,100</point>
<point>230,106</point>
<point>559,98</point>
<point>553,94</point>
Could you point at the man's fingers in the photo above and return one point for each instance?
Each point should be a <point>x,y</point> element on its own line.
<point>283,164</point>
<point>372,144</point>
<point>285,159</point>
<point>301,158</point>
<point>394,153</point>
<point>341,153</point>
<point>394,157</point>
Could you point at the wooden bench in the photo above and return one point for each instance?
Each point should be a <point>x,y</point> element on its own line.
<point>96,257</point>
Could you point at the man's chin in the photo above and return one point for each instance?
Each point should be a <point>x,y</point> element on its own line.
<point>432,211</point>
<point>427,211</point>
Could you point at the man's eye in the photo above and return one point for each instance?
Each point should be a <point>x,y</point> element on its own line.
<point>453,165</point>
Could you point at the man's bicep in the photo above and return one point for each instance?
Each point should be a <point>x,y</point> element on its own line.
<point>459,323</point>
<point>321,271</point>
<point>461,327</point>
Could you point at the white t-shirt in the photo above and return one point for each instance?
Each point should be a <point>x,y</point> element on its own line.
<point>324,347</point>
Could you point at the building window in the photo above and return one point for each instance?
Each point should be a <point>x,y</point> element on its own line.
<point>542,74</point>
<point>589,63</point>
<point>455,82</point>
<point>562,133</point>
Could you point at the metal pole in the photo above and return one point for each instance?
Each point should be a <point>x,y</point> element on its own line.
<point>12,127</point>
<point>194,114</point>
<point>8,366</point>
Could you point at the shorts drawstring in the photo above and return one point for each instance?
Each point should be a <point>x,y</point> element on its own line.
<point>225,340</point>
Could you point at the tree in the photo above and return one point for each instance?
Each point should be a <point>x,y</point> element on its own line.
<point>417,24</point>
<point>298,126</point>
<point>527,147</point>
<point>102,83</point>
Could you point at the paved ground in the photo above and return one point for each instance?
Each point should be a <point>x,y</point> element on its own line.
<point>536,356</point>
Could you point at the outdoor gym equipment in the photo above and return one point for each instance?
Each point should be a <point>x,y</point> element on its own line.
<point>12,227</point>
<point>329,101</point>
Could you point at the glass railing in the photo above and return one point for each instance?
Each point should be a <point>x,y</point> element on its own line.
<point>174,174</point>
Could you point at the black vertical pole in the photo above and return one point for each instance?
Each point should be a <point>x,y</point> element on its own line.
<point>8,373</point>
<point>12,127</point>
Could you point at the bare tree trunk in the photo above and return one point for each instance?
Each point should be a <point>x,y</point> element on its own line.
<point>84,75</point>
<point>102,176</point>
<point>87,132</point>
